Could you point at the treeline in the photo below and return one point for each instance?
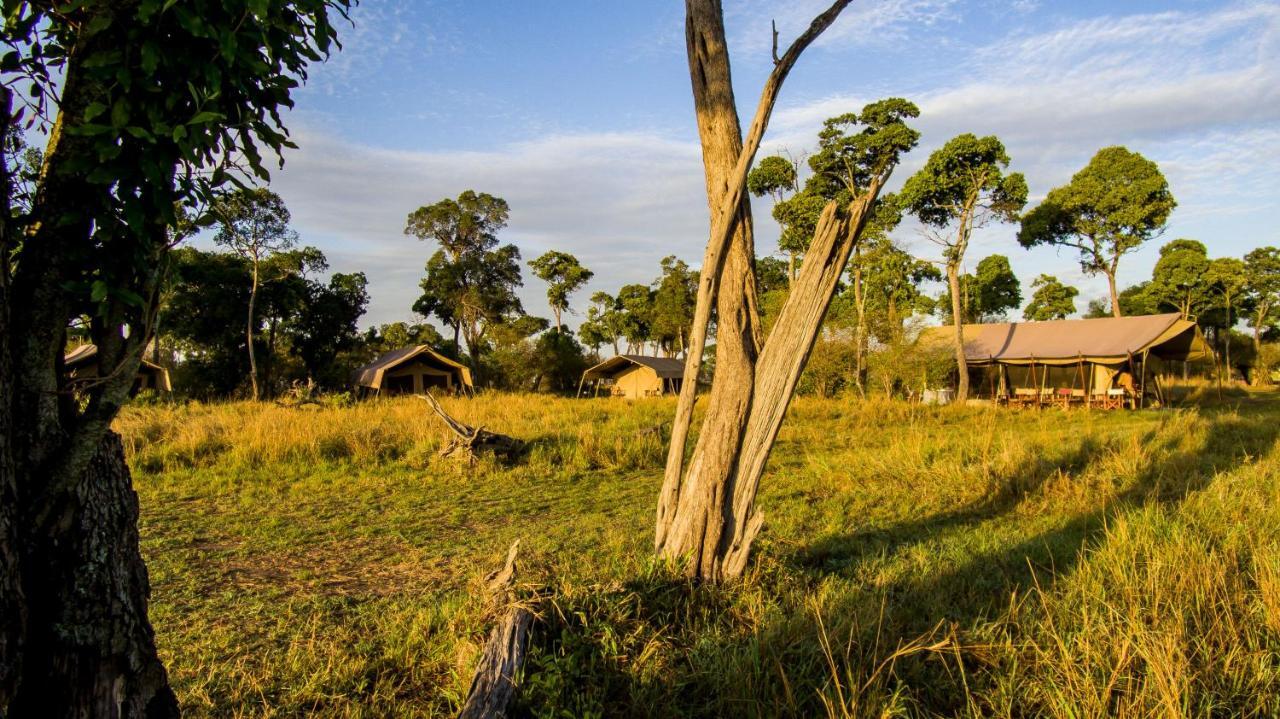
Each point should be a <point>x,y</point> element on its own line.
<point>253,317</point>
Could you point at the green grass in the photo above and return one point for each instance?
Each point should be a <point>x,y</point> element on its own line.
<point>915,561</point>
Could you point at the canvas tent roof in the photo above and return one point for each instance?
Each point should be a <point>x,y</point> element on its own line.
<point>87,353</point>
<point>371,374</point>
<point>1104,340</point>
<point>664,367</point>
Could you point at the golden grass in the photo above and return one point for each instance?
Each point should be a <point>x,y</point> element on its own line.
<point>916,561</point>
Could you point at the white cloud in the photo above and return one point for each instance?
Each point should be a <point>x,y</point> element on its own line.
<point>749,23</point>
<point>620,202</point>
<point>1197,92</point>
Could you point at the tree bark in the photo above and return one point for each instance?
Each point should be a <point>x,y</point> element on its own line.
<point>90,649</point>
<point>1115,296</point>
<point>75,640</point>
<point>248,331</point>
<point>957,320</point>
<point>706,518</point>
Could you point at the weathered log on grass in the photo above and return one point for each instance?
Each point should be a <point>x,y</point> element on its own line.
<point>494,684</point>
<point>468,442</point>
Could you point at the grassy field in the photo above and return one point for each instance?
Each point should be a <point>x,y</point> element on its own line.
<point>916,561</point>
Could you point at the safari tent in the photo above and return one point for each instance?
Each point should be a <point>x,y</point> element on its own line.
<point>1111,360</point>
<point>412,370</point>
<point>635,376</point>
<point>81,363</point>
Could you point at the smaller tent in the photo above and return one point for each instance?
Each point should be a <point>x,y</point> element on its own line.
<point>81,363</point>
<point>635,376</point>
<point>413,370</point>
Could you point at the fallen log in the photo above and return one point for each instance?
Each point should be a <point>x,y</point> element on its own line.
<point>468,442</point>
<point>493,685</point>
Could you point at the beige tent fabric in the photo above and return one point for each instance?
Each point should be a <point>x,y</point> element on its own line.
<point>371,374</point>
<point>1105,340</point>
<point>664,367</point>
<point>82,360</point>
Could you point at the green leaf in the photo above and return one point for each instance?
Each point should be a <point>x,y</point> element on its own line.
<point>205,117</point>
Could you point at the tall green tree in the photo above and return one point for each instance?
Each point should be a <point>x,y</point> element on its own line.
<point>603,324</point>
<point>253,223</point>
<point>1109,209</point>
<point>988,295</point>
<point>1227,281</point>
<point>1180,279</point>
<point>326,324</point>
<point>1262,291</point>
<point>1051,300</point>
<point>564,275</point>
<point>962,187</point>
<point>154,101</point>
<point>778,178</point>
<point>471,281</point>
<point>674,295</point>
<point>894,282</point>
<point>635,304</point>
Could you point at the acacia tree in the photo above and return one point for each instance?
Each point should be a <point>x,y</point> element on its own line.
<point>1262,288</point>
<point>893,279</point>
<point>776,177</point>
<point>564,275</point>
<point>253,223</point>
<point>1180,279</point>
<point>1117,202</point>
<point>706,516</point>
<point>963,187</point>
<point>471,282</point>
<point>604,322</point>
<point>152,100</point>
<point>635,309</point>
<point>1227,278</point>
<point>1052,300</point>
<point>673,300</point>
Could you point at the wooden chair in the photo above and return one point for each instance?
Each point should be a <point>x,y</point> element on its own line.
<point>1024,397</point>
<point>1062,397</point>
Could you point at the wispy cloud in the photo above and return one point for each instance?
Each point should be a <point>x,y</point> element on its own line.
<point>619,201</point>
<point>750,23</point>
<point>1198,92</point>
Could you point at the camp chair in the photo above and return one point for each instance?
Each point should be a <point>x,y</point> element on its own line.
<point>1024,397</point>
<point>1078,396</point>
<point>1062,397</point>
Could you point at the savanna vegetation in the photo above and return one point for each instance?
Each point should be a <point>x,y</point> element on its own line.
<point>917,561</point>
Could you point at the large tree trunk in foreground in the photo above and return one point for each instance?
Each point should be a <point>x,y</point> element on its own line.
<point>698,531</point>
<point>75,639</point>
<point>90,649</point>
<point>706,517</point>
<point>957,319</point>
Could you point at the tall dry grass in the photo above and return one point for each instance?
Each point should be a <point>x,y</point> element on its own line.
<point>917,561</point>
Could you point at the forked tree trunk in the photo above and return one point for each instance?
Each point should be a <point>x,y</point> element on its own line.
<point>1115,296</point>
<point>706,517</point>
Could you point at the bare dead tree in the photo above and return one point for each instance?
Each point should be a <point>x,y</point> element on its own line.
<point>706,515</point>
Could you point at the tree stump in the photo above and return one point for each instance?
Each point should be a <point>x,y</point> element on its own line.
<point>494,684</point>
<point>468,442</point>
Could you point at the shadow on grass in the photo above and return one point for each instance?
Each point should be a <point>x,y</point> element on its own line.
<point>663,646</point>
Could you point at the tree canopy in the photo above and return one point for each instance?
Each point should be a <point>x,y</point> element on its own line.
<point>1051,300</point>
<point>1109,209</point>
<point>564,275</point>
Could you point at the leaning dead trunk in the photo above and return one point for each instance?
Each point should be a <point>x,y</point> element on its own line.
<point>697,519</point>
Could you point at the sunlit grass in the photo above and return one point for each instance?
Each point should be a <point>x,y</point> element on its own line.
<point>915,561</point>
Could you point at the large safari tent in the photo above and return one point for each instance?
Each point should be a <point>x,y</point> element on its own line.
<point>412,370</point>
<point>634,376</point>
<point>81,364</point>
<point>1109,361</point>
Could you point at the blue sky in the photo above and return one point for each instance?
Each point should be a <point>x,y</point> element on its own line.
<point>579,114</point>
